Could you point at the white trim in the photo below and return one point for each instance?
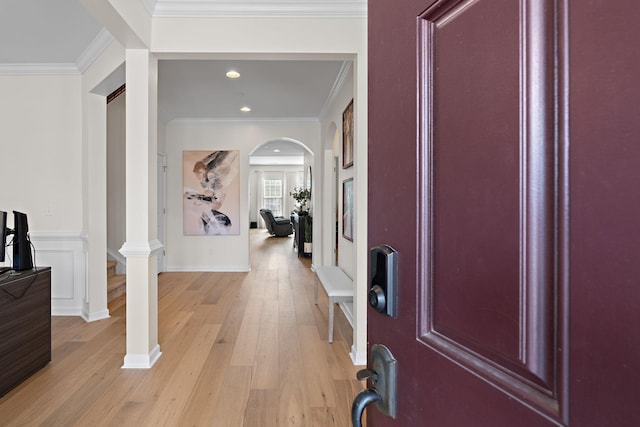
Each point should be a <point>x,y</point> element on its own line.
<point>38,69</point>
<point>58,236</point>
<point>337,85</point>
<point>358,359</point>
<point>86,58</point>
<point>65,311</point>
<point>142,361</point>
<point>65,253</point>
<point>93,51</point>
<point>211,269</point>
<point>253,9</point>
<point>141,248</point>
<point>276,160</point>
<point>92,317</point>
<point>150,6</point>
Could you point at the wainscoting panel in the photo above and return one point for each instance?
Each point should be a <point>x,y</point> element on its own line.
<point>65,253</point>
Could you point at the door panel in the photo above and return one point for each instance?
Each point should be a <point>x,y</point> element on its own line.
<point>491,189</point>
<point>517,226</point>
<point>473,176</point>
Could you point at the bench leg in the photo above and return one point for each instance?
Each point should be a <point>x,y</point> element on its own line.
<point>315,290</point>
<point>331,304</point>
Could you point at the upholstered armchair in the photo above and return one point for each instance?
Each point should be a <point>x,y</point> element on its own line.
<point>276,225</point>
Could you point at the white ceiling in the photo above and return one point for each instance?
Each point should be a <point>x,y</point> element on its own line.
<point>272,89</point>
<point>44,31</point>
<point>59,36</point>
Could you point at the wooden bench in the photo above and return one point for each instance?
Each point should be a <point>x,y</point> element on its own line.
<point>337,285</point>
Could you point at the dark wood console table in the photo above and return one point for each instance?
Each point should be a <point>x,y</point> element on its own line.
<point>25,325</point>
<point>299,230</point>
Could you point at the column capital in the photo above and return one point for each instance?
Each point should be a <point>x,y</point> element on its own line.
<point>141,248</point>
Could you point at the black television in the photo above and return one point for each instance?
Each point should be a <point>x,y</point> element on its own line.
<point>3,234</point>
<point>22,259</point>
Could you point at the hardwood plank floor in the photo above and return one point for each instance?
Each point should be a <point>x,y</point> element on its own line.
<point>239,349</point>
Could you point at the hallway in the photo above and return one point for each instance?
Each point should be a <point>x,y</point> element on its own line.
<point>239,349</point>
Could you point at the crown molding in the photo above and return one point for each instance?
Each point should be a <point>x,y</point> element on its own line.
<point>255,9</point>
<point>95,48</point>
<point>150,5</point>
<point>337,85</point>
<point>90,54</point>
<point>39,69</point>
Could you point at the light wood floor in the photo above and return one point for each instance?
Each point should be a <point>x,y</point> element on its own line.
<point>239,349</point>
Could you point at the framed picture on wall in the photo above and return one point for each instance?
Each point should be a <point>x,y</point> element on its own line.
<point>347,136</point>
<point>347,209</point>
<point>211,202</point>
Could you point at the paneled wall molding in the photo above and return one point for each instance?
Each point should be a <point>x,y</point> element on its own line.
<point>65,253</point>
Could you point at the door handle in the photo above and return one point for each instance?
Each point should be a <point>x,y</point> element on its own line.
<point>362,399</point>
<point>382,391</point>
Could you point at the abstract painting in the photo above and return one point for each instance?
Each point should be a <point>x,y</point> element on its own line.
<point>211,192</point>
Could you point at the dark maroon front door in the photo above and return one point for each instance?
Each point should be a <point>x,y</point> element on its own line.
<point>504,169</point>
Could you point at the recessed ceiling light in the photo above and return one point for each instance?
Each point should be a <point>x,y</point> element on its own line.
<point>245,109</point>
<point>276,151</point>
<point>232,74</point>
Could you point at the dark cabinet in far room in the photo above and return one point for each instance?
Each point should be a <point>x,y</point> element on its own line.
<point>302,227</point>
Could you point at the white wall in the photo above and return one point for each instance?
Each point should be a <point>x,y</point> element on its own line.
<point>218,253</point>
<point>41,174</point>
<point>332,130</point>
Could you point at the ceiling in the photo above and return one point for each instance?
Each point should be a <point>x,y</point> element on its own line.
<point>58,37</point>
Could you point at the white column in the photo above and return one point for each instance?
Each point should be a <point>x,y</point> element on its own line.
<point>142,245</point>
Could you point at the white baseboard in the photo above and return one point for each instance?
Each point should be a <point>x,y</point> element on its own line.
<point>358,358</point>
<point>65,311</point>
<point>92,317</point>
<point>142,361</point>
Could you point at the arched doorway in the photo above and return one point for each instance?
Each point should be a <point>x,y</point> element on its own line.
<point>278,167</point>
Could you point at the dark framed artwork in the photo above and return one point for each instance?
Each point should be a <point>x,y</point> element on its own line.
<point>211,192</point>
<point>347,136</point>
<point>347,209</point>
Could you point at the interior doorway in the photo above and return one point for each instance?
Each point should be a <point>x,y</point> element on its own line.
<point>277,168</point>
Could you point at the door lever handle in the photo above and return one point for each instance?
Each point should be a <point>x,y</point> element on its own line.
<point>362,399</point>
<point>365,374</point>
<point>382,388</point>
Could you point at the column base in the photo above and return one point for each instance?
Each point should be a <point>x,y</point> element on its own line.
<point>142,361</point>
